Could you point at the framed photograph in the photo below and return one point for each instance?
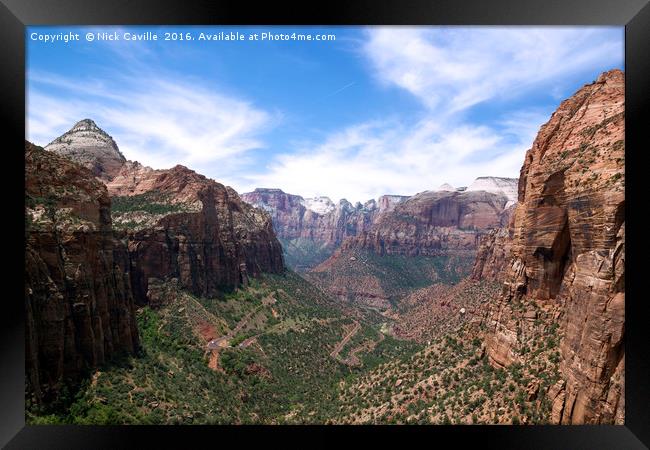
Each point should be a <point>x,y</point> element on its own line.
<point>367,219</point>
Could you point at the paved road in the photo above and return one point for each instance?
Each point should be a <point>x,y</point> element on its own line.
<point>223,341</point>
<point>345,340</point>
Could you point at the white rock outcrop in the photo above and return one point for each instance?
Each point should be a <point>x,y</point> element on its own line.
<point>497,185</point>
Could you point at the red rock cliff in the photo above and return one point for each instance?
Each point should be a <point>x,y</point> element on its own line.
<point>206,237</point>
<point>327,224</point>
<point>175,223</point>
<point>78,304</point>
<point>568,252</point>
<point>434,222</point>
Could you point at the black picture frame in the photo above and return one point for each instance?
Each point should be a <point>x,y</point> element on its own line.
<point>15,15</point>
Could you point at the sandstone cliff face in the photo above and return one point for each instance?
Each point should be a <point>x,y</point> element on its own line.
<point>311,229</point>
<point>493,255</point>
<point>429,223</point>
<point>317,219</point>
<point>175,223</point>
<point>83,276</point>
<point>78,302</point>
<point>88,145</point>
<point>567,252</point>
<point>434,222</point>
<point>494,251</point>
<point>198,231</point>
<point>428,238</point>
<point>497,185</point>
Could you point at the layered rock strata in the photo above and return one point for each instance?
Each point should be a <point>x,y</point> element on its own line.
<point>90,146</point>
<point>434,222</point>
<point>312,229</point>
<point>180,224</point>
<point>319,219</point>
<point>568,252</point>
<point>175,223</point>
<point>79,308</point>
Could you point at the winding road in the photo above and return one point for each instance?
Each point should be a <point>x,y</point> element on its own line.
<point>345,340</point>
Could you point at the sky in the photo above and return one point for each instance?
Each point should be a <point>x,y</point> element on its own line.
<point>372,111</point>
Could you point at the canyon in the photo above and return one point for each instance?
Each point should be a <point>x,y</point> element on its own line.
<point>431,237</point>
<point>89,265</point>
<point>497,302</point>
<point>312,229</point>
<point>429,223</point>
<point>175,222</point>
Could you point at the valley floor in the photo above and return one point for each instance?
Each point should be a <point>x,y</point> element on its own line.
<point>282,351</point>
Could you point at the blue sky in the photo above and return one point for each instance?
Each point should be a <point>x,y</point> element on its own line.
<point>378,110</point>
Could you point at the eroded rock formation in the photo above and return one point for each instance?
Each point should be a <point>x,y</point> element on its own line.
<point>90,146</point>
<point>176,223</point>
<point>311,229</point>
<point>206,237</point>
<point>318,219</point>
<point>493,253</point>
<point>98,228</point>
<point>568,252</point>
<point>433,222</point>
<point>428,238</point>
<point>78,302</point>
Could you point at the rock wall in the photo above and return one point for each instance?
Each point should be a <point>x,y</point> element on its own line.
<point>293,219</point>
<point>79,307</point>
<point>434,222</point>
<point>312,229</point>
<point>83,277</point>
<point>568,252</point>
<point>494,251</point>
<point>217,245</point>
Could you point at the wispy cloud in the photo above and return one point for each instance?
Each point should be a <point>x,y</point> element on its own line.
<point>372,159</point>
<point>341,89</point>
<point>158,121</point>
<point>451,69</point>
<point>163,118</point>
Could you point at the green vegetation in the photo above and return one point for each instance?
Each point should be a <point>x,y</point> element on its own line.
<point>150,202</point>
<point>452,381</point>
<point>131,212</point>
<point>396,275</point>
<point>286,376</point>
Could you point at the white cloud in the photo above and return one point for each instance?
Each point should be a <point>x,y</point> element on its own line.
<point>368,160</point>
<point>451,68</point>
<point>163,119</point>
<point>159,121</point>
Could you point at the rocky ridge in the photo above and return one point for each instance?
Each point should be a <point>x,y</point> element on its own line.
<point>433,222</point>
<point>316,226</point>
<point>497,185</point>
<point>193,229</point>
<point>431,237</point>
<point>175,222</point>
<point>100,229</point>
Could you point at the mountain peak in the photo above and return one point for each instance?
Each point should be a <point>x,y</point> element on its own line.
<point>320,204</point>
<point>85,125</point>
<point>87,144</point>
